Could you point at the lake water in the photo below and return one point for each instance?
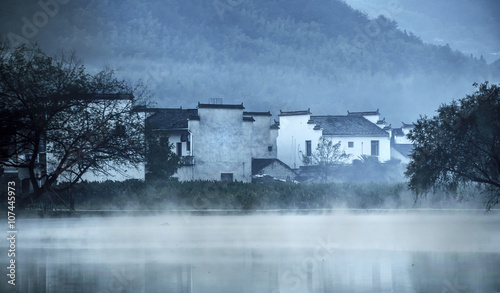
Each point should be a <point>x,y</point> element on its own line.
<point>342,251</point>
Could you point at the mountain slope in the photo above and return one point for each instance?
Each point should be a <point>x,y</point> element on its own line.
<point>270,55</point>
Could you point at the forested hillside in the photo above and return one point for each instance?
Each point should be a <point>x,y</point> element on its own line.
<point>270,55</point>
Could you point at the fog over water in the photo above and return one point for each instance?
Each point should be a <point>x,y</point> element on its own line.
<point>379,251</point>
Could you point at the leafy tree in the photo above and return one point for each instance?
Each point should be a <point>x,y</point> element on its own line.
<point>59,121</point>
<point>460,146</point>
<point>326,157</point>
<point>161,161</point>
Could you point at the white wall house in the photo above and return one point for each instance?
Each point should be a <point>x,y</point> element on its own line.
<point>296,137</point>
<point>357,132</point>
<point>400,134</point>
<point>217,141</point>
<point>401,146</point>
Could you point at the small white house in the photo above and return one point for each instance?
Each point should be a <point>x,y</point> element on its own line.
<point>357,132</point>
<point>401,145</point>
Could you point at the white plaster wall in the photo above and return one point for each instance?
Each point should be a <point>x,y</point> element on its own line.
<point>175,138</point>
<point>402,139</point>
<point>221,143</point>
<point>278,171</point>
<point>372,118</point>
<point>291,142</point>
<point>262,138</point>
<point>362,146</point>
<point>273,141</point>
<point>398,156</point>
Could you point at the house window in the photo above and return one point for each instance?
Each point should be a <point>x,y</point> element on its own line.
<point>188,146</point>
<point>350,144</point>
<point>308,148</point>
<point>179,149</point>
<point>226,177</point>
<point>375,147</point>
<point>184,137</point>
<point>270,148</point>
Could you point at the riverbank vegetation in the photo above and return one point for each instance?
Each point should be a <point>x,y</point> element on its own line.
<point>204,195</point>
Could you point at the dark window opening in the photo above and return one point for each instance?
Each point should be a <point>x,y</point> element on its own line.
<point>350,144</point>
<point>179,149</point>
<point>184,137</point>
<point>375,147</point>
<point>188,146</point>
<point>226,177</point>
<point>270,148</point>
<point>308,148</point>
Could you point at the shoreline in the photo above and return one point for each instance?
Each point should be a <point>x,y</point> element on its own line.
<point>64,213</point>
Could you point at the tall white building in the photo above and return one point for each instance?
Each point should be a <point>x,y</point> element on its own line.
<point>217,141</point>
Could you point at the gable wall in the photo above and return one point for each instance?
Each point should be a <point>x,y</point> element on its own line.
<point>219,145</point>
<point>291,142</point>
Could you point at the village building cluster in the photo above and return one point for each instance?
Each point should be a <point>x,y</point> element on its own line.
<point>217,141</point>
<point>224,142</point>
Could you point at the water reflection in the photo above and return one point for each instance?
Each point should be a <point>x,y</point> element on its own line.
<point>389,252</point>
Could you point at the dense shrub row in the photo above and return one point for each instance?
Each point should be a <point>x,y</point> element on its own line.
<point>163,195</point>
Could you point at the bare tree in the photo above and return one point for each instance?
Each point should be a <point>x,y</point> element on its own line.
<point>326,157</point>
<point>58,120</point>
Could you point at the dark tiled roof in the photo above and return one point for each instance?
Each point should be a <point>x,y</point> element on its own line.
<point>367,113</point>
<point>406,125</point>
<point>259,164</point>
<point>398,132</point>
<point>293,113</point>
<point>257,113</point>
<point>347,125</point>
<point>248,119</point>
<point>170,119</point>
<point>404,149</point>
<point>95,97</point>
<point>221,106</point>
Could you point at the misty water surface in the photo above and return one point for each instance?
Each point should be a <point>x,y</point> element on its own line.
<point>384,251</point>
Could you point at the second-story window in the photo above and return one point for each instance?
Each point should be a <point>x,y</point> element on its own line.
<point>375,147</point>
<point>179,149</point>
<point>308,148</point>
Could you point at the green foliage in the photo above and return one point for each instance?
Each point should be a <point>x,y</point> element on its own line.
<point>210,195</point>
<point>459,147</point>
<point>161,161</point>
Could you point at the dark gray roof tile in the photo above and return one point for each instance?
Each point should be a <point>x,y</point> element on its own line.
<point>221,106</point>
<point>293,113</point>
<point>170,119</point>
<point>350,125</point>
<point>268,113</point>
